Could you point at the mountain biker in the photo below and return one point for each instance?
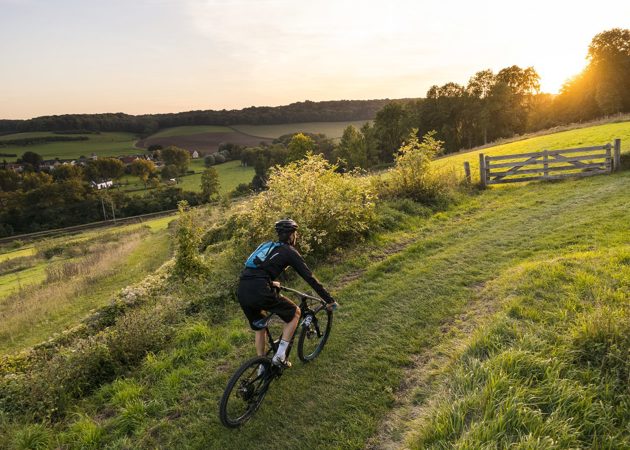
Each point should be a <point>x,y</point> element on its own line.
<point>258,291</point>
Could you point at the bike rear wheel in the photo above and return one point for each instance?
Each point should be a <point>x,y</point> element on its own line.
<point>245,392</point>
<point>314,336</point>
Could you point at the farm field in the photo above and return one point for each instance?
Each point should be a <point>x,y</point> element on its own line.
<point>333,130</point>
<point>203,138</point>
<point>53,292</point>
<point>475,297</point>
<point>103,144</point>
<point>231,174</point>
<point>193,129</point>
<point>582,137</point>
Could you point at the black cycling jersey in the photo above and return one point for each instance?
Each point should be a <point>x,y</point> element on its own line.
<point>278,260</point>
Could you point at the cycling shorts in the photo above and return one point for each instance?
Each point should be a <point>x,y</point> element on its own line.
<point>256,295</point>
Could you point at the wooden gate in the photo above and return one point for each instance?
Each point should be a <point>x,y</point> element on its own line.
<point>549,164</point>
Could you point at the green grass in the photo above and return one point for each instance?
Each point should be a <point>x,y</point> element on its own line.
<point>11,283</point>
<point>188,130</point>
<point>332,130</point>
<point>395,309</point>
<point>231,174</point>
<point>584,137</point>
<point>104,144</point>
<point>17,253</point>
<point>550,372</point>
<point>42,322</point>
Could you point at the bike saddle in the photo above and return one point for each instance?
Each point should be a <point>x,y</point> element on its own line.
<point>261,324</point>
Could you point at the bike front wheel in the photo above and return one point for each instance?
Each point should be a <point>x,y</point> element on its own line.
<point>245,391</point>
<point>313,336</point>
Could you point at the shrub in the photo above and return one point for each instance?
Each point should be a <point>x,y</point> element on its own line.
<point>412,176</point>
<point>331,208</point>
<point>209,160</point>
<point>219,158</point>
<point>187,261</point>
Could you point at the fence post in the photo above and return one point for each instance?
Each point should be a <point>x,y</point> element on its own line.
<point>482,170</point>
<point>617,156</point>
<point>545,164</point>
<point>610,164</point>
<point>467,172</point>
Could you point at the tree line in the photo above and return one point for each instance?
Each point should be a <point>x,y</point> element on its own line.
<point>307,111</point>
<point>498,105</point>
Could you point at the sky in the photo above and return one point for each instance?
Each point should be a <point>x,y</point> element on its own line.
<point>154,56</point>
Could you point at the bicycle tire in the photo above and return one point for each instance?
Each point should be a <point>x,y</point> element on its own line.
<point>250,392</point>
<point>313,331</point>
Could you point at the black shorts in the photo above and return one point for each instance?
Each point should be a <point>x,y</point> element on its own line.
<point>256,295</point>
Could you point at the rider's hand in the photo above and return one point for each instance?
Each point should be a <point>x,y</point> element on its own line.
<point>276,284</point>
<point>332,306</point>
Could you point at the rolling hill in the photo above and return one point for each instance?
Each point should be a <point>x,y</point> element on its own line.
<point>499,321</point>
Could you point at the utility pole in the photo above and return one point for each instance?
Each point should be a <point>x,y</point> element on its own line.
<point>103,205</point>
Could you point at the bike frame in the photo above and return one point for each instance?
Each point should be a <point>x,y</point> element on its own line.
<point>304,308</point>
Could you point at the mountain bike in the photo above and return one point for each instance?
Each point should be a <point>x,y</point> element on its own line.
<point>247,388</point>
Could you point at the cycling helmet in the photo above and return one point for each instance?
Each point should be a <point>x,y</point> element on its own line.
<point>286,226</point>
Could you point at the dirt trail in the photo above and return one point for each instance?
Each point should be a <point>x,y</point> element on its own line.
<point>427,371</point>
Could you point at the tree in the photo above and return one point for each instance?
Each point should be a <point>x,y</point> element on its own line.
<point>170,171</point>
<point>9,180</point>
<point>67,172</point>
<point>32,181</point>
<point>105,169</point>
<point>352,148</point>
<point>299,146</point>
<point>609,70</point>
<point>143,169</point>
<point>209,160</point>
<point>390,129</point>
<point>177,157</point>
<point>210,184</point>
<point>32,158</point>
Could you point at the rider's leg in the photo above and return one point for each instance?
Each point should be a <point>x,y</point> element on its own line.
<point>287,334</point>
<point>289,327</point>
<point>261,340</point>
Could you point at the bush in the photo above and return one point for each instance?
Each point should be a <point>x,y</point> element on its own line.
<point>412,176</point>
<point>332,209</point>
<point>219,158</point>
<point>209,160</point>
<point>187,261</point>
<point>241,190</point>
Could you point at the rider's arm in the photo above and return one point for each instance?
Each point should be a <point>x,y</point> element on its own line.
<point>297,262</point>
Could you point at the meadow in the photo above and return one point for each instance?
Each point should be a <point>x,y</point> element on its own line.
<point>52,284</point>
<point>231,174</point>
<point>580,137</point>
<point>103,144</point>
<point>495,320</point>
<point>333,130</point>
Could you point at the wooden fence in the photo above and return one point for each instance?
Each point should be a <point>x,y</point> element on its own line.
<point>549,164</point>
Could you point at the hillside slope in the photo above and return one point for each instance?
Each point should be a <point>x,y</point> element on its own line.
<point>399,294</point>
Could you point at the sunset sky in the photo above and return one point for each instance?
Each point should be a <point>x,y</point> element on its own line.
<point>149,56</point>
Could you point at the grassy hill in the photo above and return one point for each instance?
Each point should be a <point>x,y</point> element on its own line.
<point>50,285</point>
<point>103,144</point>
<point>581,137</point>
<point>466,328</point>
<point>333,130</point>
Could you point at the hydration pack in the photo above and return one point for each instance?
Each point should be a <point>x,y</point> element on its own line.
<point>259,256</point>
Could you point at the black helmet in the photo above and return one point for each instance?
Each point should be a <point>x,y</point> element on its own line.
<point>286,226</point>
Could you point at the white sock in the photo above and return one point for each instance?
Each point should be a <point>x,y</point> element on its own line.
<point>261,369</point>
<point>282,349</point>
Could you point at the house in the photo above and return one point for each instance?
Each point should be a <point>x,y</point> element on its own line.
<point>194,154</point>
<point>102,185</point>
<point>15,167</point>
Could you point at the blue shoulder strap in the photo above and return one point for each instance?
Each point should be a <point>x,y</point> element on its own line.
<point>259,255</point>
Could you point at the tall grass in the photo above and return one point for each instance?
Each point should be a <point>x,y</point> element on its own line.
<point>65,282</point>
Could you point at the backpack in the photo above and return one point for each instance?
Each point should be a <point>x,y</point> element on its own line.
<point>259,256</point>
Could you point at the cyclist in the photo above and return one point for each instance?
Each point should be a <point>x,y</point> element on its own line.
<point>258,290</point>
